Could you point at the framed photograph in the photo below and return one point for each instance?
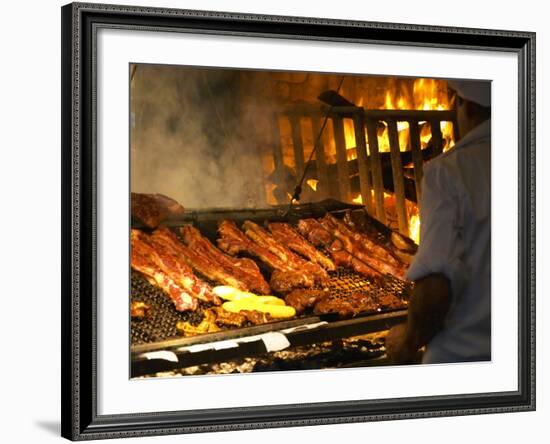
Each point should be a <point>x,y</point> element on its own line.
<point>275,221</point>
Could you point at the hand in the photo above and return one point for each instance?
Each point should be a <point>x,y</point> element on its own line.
<point>400,348</point>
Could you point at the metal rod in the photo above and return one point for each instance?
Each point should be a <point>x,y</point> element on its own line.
<point>298,189</point>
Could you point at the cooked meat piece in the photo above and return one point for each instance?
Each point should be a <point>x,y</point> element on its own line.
<point>322,235</point>
<point>207,325</point>
<point>139,310</point>
<point>313,231</point>
<point>363,302</point>
<point>285,281</point>
<point>402,243</point>
<point>226,318</point>
<point>344,259</point>
<point>303,299</point>
<point>141,261</point>
<point>389,301</point>
<point>233,241</point>
<point>287,235</point>
<point>351,305</point>
<point>167,259</point>
<point>195,260</point>
<point>334,305</point>
<point>362,248</point>
<point>404,257</point>
<point>256,317</point>
<point>152,209</point>
<point>243,269</point>
<point>261,237</point>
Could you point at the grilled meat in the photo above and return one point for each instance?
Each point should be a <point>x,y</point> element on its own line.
<point>166,257</point>
<point>139,310</point>
<point>245,270</point>
<point>313,231</point>
<point>225,318</point>
<point>345,307</point>
<point>207,325</point>
<point>196,261</point>
<point>389,301</point>
<point>264,239</point>
<point>321,235</point>
<point>304,299</point>
<point>283,281</point>
<point>141,261</point>
<point>363,248</point>
<point>152,209</point>
<point>233,241</point>
<point>345,259</point>
<point>287,235</point>
<point>257,317</point>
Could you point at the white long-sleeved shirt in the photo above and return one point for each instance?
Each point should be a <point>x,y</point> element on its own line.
<point>455,240</point>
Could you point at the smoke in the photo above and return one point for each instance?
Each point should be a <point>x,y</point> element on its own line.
<point>195,138</point>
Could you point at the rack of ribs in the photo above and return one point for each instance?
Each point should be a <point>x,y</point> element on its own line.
<point>196,261</point>
<point>244,269</point>
<point>167,259</point>
<point>141,260</point>
<point>233,241</point>
<point>287,235</point>
<point>266,240</point>
<point>320,236</point>
<point>362,248</point>
<point>285,273</point>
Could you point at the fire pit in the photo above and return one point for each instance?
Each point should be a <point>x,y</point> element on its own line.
<point>360,159</point>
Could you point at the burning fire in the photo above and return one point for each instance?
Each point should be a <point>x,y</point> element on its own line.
<point>414,224</point>
<point>426,94</point>
<point>412,210</point>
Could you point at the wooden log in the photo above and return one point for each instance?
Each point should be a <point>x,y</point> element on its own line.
<point>365,183</point>
<point>341,159</point>
<point>416,149</point>
<point>297,144</point>
<point>376,168</point>
<point>398,180</point>
<point>277,152</point>
<point>437,137</point>
<point>323,187</point>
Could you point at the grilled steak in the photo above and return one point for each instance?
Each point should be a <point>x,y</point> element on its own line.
<point>152,209</point>
<point>166,258</point>
<point>283,281</point>
<point>245,270</point>
<point>303,299</point>
<point>141,261</point>
<point>287,235</point>
<point>195,260</point>
<point>264,239</point>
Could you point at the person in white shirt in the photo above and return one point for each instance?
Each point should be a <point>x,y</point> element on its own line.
<point>450,308</point>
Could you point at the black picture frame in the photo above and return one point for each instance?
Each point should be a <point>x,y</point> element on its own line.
<point>79,171</point>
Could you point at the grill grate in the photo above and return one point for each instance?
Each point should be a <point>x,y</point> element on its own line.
<point>161,323</point>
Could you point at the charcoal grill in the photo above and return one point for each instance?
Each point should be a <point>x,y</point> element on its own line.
<point>157,332</point>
